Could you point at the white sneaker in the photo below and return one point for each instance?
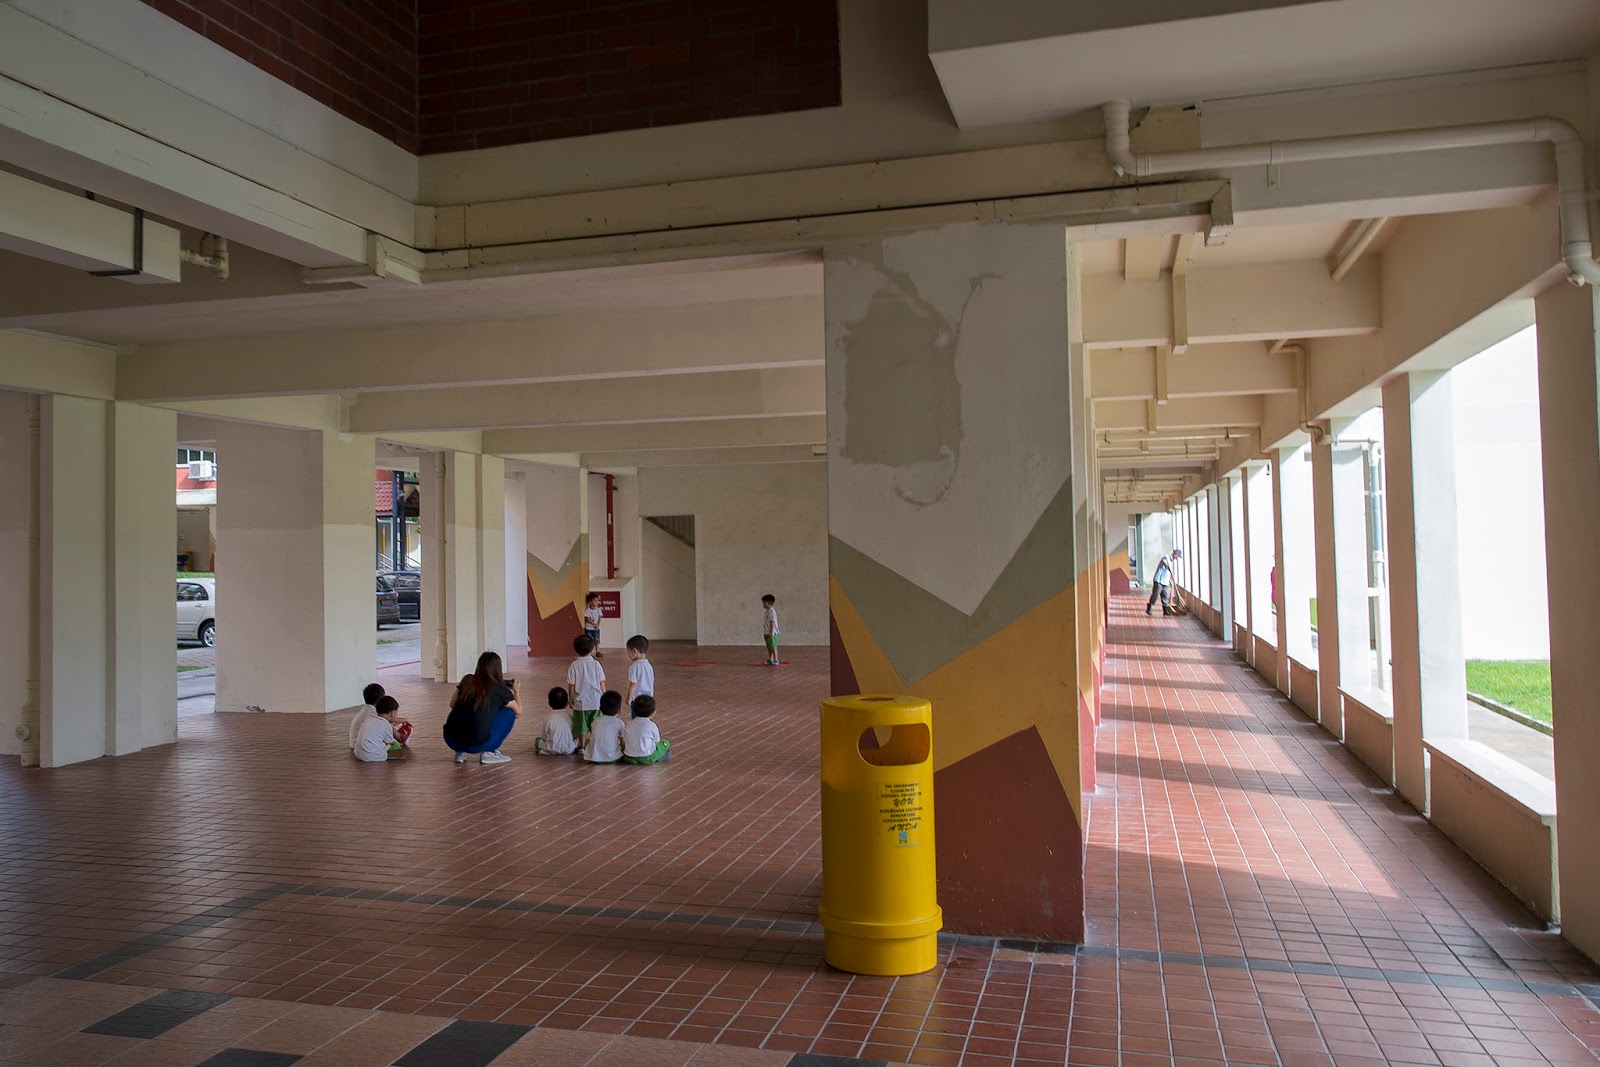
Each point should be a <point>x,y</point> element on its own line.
<point>493,757</point>
<point>461,757</point>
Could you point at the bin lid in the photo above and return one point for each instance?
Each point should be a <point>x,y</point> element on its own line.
<point>901,708</point>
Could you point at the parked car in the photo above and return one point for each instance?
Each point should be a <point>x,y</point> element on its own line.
<point>388,602</point>
<point>197,610</point>
<point>409,585</point>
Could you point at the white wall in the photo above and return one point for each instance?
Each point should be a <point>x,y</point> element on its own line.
<point>1500,502</point>
<point>194,536</point>
<point>295,557</point>
<point>757,529</point>
<point>666,586</point>
<point>14,523</point>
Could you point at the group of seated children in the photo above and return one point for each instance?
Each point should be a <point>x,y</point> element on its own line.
<point>585,716</point>
<point>377,733</point>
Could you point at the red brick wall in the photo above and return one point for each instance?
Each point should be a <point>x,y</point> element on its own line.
<point>498,72</point>
<point>446,75</point>
<point>358,57</point>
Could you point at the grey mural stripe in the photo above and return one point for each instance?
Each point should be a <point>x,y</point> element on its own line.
<point>918,632</point>
<point>1349,972</point>
<point>156,1015</point>
<point>552,578</point>
<point>168,934</point>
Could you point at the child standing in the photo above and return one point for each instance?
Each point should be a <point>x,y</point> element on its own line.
<point>641,740</point>
<point>556,739</point>
<point>586,680</point>
<point>641,675</point>
<point>605,740</point>
<point>376,742</point>
<point>769,627</point>
<point>591,620</point>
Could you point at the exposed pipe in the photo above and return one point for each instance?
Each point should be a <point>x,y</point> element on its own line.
<point>28,730</point>
<point>1577,251</point>
<point>611,525</point>
<point>1365,234</point>
<point>213,255</point>
<point>1302,389</point>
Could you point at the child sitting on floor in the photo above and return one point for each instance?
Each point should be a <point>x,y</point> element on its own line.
<point>556,738</point>
<point>377,741</point>
<point>605,736</point>
<point>641,740</point>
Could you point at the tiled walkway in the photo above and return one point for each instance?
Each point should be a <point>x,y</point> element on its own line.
<point>1253,899</point>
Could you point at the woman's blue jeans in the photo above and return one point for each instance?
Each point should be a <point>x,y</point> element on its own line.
<point>499,729</point>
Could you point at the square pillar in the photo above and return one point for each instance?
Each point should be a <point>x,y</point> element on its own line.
<point>1222,524</point>
<point>294,533</point>
<point>1570,439</point>
<point>1260,544</point>
<point>1297,553</point>
<point>952,545</point>
<point>468,491</point>
<point>557,561</point>
<point>1430,683</point>
<point>104,527</point>
<point>516,581</point>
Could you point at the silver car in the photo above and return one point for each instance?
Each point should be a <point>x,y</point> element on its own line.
<point>197,610</point>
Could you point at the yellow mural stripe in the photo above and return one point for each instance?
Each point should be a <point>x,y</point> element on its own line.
<point>571,590</point>
<point>1001,686</point>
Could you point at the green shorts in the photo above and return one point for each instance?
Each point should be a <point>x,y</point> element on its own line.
<point>663,750</point>
<point>582,720</point>
<point>772,645</point>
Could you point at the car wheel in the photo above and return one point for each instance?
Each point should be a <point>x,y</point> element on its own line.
<point>208,634</point>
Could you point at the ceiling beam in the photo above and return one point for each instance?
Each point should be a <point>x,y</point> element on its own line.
<point>662,398</point>
<point>1228,369</point>
<point>699,457</point>
<point>1235,411</point>
<point>1142,257</point>
<point>1257,302</point>
<point>723,336</point>
<point>643,436</point>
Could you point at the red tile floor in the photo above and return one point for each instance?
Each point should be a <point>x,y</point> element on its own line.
<point>1253,896</point>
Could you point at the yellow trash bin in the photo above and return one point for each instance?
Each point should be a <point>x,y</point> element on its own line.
<point>880,913</point>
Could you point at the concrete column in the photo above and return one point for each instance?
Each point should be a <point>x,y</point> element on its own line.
<point>1260,545</point>
<point>474,559</point>
<point>516,554</point>
<point>557,558</point>
<point>294,540</point>
<point>1430,685</point>
<point>1297,554</point>
<point>1224,555</point>
<point>1330,708</point>
<point>952,521</point>
<point>1569,433</point>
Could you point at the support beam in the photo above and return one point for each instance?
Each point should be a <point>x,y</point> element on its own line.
<point>35,363</point>
<point>1258,302</point>
<point>642,436</point>
<point>740,394</point>
<point>1233,411</point>
<point>1142,257</point>
<point>731,335</point>
<point>698,457</point>
<point>60,227</point>
<point>1236,369</point>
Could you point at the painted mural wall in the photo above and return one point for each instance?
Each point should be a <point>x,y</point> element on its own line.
<point>951,547</point>
<point>558,558</point>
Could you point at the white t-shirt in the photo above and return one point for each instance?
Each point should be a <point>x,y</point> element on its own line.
<point>591,618</point>
<point>556,739</point>
<point>770,622</point>
<point>643,676</point>
<point>356,723</point>
<point>640,738</point>
<point>605,740</point>
<point>588,681</point>
<point>372,744</point>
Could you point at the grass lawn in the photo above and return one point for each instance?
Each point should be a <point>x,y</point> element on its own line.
<point>196,574</point>
<point>388,640</point>
<point>185,667</point>
<point>1520,684</point>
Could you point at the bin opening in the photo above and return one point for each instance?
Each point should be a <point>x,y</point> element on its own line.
<point>895,746</point>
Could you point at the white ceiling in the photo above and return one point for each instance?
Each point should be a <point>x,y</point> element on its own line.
<point>521,296</point>
<point>1036,72</point>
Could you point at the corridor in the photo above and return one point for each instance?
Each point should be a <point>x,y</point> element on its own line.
<point>1252,899</point>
